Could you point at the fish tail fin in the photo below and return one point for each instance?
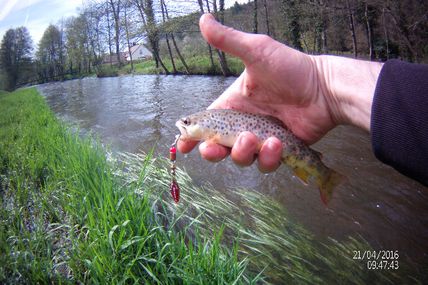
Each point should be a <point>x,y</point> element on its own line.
<point>327,183</point>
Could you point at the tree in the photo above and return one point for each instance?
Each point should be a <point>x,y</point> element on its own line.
<point>210,51</point>
<point>93,14</point>
<point>163,8</point>
<point>291,15</point>
<point>180,56</point>
<point>352,27</point>
<point>236,8</point>
<point>369,16</point>
<point>78,56</point>
<point>337,29</point>
<point>266,17</point>
<point>255,20</point>
<point>407,25</point>
<point>321,24</point>
<point>145,7</point>
<point>15,57</point>
<point>50,54</point>
<point>126,7</point>
<point>108,28</point>
<point>115,6</point>
<point>221,55</point>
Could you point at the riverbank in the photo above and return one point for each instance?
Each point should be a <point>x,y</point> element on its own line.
<point>67,217</point>
<point>72,212</point>
<point>197,65</point>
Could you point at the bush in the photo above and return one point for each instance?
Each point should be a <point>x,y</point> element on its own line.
<point>107,71</point>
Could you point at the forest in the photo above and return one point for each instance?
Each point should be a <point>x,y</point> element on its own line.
<point>97,40</point>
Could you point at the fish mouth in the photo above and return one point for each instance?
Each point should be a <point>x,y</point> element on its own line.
<point>182,128</point>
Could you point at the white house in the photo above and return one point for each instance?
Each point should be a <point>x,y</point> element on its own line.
<point>138,52</point>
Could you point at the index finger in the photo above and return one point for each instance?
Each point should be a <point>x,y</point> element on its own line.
<point>186,146</point>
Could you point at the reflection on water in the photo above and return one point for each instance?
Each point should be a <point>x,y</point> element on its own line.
<point>137,113</point>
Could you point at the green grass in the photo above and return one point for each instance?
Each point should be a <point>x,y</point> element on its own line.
<point>73,213</point>
<point>282,250</point>
<point>198,65</point>
<point>66,217</point>
<point>107,70</point>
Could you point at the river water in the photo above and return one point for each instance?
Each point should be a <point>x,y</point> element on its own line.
<point>137,113</point>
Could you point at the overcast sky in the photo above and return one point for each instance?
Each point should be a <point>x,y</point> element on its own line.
<point>36,15</point>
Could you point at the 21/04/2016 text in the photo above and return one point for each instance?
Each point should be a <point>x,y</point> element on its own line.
<point>381,255</point>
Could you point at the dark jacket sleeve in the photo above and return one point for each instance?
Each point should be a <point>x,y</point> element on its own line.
<point>399,120</point>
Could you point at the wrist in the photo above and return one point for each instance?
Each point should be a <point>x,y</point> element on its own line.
<point>348,85</point>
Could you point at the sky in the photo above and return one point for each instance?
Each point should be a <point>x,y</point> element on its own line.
<point>37,15</point>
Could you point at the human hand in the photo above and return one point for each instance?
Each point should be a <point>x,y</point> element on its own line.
<point>279,81</point>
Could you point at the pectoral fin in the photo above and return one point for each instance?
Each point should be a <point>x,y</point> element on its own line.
<point>327,183</point>
<point>302,174</point>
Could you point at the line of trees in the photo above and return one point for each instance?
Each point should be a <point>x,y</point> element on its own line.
<point>371,29</point>
<point>98,35</point>
<point>103,30</point>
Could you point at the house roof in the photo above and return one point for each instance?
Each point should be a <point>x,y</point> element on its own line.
<point>134,48</point>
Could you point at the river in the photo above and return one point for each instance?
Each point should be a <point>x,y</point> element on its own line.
<point>137,113</point>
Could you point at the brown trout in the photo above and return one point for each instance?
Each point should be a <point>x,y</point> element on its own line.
<point>223,127</point>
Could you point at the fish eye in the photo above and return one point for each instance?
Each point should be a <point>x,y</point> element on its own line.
<point>186,121</point>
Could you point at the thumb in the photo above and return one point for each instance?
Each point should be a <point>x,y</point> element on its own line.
<point>227,39</point>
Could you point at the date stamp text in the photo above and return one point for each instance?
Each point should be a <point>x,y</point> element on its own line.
<point>378,259</point>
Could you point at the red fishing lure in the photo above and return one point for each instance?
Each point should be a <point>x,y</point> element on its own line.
<point>174,188</point>
<point>175,191</point>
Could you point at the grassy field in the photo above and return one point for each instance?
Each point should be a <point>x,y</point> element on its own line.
<point>71,212</point>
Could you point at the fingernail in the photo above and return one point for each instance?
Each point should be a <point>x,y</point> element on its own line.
<point>209,17</point>
<point>271,145</point>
